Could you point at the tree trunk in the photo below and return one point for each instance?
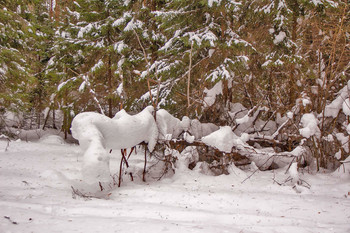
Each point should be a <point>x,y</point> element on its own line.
<point>189,80</point>
<point>57,11</point>
<point>51,9</point>
<point>53,118</point>
<point>292,80</point>
<point>46,118</point>
<point>110,87</point>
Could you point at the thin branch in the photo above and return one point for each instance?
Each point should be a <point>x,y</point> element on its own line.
<point>195,65</point>
<point>93,93</point>
<point>258,169</point>
<point>76,192</point>
<point>290,164</point>
<point>148,66</point>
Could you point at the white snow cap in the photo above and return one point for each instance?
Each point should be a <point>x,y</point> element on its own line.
<point>120,114</point>
<point>298,151</point>
<point>188,138</point>
<point>185,123</point>
<point>211,94</point>
<point>222,139</point>
<point>129,130</point>
<point>280,37</point>
<point>243,120</point>
<point>309,122</point>
<point>346,107</point>
<point>210,2</point>
<point>167,125</point>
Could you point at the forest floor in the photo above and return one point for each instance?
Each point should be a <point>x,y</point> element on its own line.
<point>36,196</point>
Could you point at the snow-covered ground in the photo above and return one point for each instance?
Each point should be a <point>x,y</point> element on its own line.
<point>36,196</point>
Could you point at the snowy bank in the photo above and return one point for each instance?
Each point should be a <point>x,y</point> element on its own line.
<point>36,197</point>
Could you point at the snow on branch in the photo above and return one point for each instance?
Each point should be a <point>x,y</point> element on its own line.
<point>172,13</point>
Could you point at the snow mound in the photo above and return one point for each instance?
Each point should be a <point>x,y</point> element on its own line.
<point>97,133</point>
<point>122,131</point>
<point>130,130</point>
<point>52,139</point>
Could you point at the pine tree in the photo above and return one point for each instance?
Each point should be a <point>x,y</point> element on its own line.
<point>201,46</point>
<point>16,75</point>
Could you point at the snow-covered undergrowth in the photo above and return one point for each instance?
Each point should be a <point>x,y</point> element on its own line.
<point>36,196</point>
<point>98,134</point>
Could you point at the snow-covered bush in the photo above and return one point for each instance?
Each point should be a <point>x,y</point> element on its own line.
<point>98,133</point>
<point>318,124</point>
<point>269,139</point>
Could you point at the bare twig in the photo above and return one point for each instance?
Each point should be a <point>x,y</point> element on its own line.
<point>124,159</point>
<point>290,164</point>
<point>101,187</point>
<point>76,192</point>
<point>93,93</point>
<point>275,181</point>
<point>2,136</point>
<point>148,66</point>
<point>306,185</point>
<point>258,169</point>
<point>11,221</point>
<point>89,196</point>
<point>144,168</point>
